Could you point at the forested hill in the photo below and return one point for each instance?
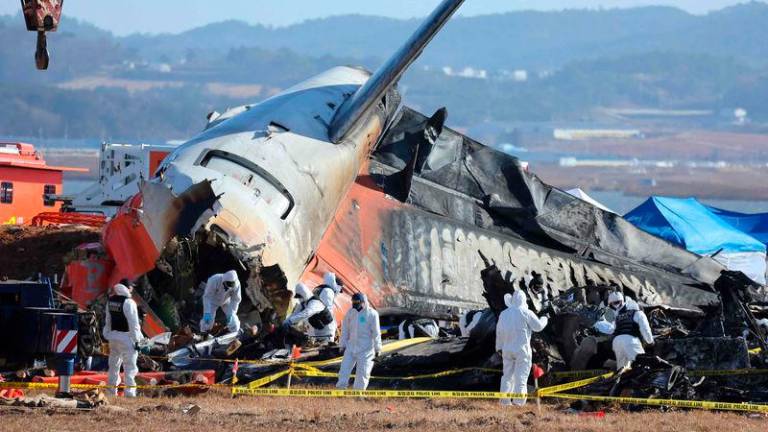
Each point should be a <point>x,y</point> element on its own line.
<point>522,66</point>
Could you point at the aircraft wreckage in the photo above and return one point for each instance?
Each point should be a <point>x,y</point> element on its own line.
<point>336,174</point>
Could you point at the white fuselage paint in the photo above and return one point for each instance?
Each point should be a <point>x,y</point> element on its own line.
<point>287,136</point>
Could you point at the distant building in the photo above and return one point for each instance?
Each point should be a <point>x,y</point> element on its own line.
<point>584,134</point>
<point>740,115</point>
<point>467,72</point>
<point>655,113</point>
<point>27,183</point>
<point>517,75</point>
<point>162,67</point>
<point>573,162</point>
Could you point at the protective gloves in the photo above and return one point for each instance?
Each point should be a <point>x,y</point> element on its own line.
<point>208,318</point>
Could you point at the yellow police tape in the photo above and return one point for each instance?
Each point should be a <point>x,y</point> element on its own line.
<point>312,367</point>
<point>312,371</point>
<point>440,394</point>
<point>578,374</point>
<point>302,370</point>
<point>573,385</point>
<point>27,385</point>
<point>309,371</point>
<point>42,386</point>
<point>269,379</point>
<point>723,406</point>
<point>420,394</point>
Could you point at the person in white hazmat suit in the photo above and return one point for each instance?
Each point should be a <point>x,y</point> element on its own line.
<point>221,291</point>
<point>468,321</point>
<point>513,340</point>
<point>360,341</point>
<point>630,325</point>
<point>313,310</point>
<point>122,330</point>
<point>418,327</point>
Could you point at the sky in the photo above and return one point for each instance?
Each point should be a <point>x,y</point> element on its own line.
<point>173,16</point>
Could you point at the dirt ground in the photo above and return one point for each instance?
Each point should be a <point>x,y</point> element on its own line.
<point>221,412</point>
<point>27,250</point>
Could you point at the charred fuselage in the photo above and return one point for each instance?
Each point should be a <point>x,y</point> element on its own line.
<point>335,175</point>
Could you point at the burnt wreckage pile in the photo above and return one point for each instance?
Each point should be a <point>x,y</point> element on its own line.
<point>335,174</point>
<point>703,318</point>
<point>698,354</point>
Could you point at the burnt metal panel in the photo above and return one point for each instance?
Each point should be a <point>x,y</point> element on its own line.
<point>512,201</point>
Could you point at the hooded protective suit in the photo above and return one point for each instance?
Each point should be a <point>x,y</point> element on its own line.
<point>303,293</point>
<point>328,297</point>
<point>513,339</point>
<point>424,327</point>
<point>218,295</point>
<point>361,342</point>
<point>312,305</point>
<point>468,321</point>
<point>123,331</point>
<point>630,324</point>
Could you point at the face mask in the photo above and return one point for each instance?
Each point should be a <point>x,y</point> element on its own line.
<point>228,285</point>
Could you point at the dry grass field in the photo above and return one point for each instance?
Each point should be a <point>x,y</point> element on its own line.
<point>221,412</point>
<point>714,183</point>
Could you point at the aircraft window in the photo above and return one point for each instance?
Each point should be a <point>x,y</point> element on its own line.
<point>262,183</point>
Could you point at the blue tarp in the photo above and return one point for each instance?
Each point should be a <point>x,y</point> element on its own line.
<point>756,225</point>
<point>690,224</point>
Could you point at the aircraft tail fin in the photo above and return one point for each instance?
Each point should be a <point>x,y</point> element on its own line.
<point>390,72</point>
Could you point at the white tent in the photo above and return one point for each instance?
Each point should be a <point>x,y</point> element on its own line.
<point>580,194</point>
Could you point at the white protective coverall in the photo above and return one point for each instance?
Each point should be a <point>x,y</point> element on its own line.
<point>309,308</point>
<point>217,296</point>
<point>302,294</point>
<point>361,342</point>
<point>408,330</point>
<point>626,347</point>
<point>466,325</point>
<point>122,344</point>
<point>328,297</point>
<point>513,339</point>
